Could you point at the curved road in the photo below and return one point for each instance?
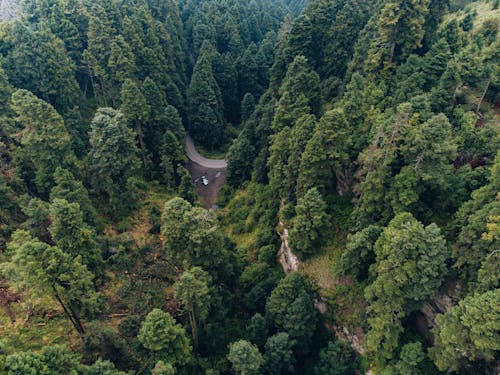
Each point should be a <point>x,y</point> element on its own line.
<point>195,157</point>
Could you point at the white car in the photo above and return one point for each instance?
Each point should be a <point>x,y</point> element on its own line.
<point>204,180</point>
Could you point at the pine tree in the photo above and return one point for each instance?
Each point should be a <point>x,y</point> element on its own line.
<point>206,121</point>
<point>400,30</point>
<point>136,111</point>
<point>113,160</point>
<point>165,339</point>
<point>46,141</point>
<point>309,227</point>
<point>410,266</point>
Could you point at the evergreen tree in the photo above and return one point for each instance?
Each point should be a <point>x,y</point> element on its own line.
<point>46,141</point>
<point>47,270</point>
<point>245,358</point>
<point>336,359</point>
<point>193,291</point>
<point>206,121</point>
<point>279,358</point>
<point>400,30</point>
<point>326,156</point>
<point>136,111</point>
<point>165,339</point>
<point>410,266</point>
<point>39,63</point>
<point>73,236</point>
<point>113,160</point>
<point>191,237</point>
<point>68,188</point>
<point>468,332</point>
<point>310,224</point>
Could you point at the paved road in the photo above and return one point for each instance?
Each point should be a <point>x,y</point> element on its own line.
<point>194,156</point>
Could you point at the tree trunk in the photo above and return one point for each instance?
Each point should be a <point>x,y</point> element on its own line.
<point>482,96</point>
<point>77,327</point>
<point>194,327</point>
<point>141,142</point>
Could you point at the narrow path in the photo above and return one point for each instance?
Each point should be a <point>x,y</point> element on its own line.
<point>195,157</point>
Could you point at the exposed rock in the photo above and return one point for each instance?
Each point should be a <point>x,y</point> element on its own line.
<point>354,339</point>
<point>288,260</point>
<point>9,10</point>
<point>445,298</point>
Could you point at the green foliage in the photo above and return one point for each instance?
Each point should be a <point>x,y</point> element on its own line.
<point>245,358</point>
<point>73,236</point>
<point>164,338</point>
<point>279,358</point>
<point>193,291</point>
<point>257,330</point>
<point>113,160</point>
<point>191,238</point>
<point>468,332</point>
<point>47,143</point>
<point>336,359</point>
<point>410,266</point>
<point>359,253</point>
<point>308,233</point>
<point>206,121</point>
<point>291,309</point>
<point>400,30</point>
<point>72,190</point>
<point>42,269</point>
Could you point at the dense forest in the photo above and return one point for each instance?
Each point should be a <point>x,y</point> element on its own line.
<point>358,231</point>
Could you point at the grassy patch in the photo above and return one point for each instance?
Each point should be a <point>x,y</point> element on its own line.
<point>36,333</point>
<point>319,267</point>
<point>483,10</point>
<point>211,154</point>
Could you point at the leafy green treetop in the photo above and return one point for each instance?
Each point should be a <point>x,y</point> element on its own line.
<point>164,338</point>
<point>245,358</point>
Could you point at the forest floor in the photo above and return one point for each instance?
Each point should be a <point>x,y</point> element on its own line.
<point>216,179</point>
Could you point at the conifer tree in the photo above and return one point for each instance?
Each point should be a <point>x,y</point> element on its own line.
<point>46,141</point>
<point>113,159</point>
<point>206,121</point>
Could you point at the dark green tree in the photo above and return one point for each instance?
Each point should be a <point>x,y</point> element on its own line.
<point>206,120</point>
<point>73,236</point>
<point>410,266</point>
<point>113,160</point>
<point>47,270</point>
<point>245,358</point>
<point>336,359</point>
<point>279,357</point>
<point>165,339</point>
<point>193,291</point>
<point>46,141</point>
<point>468,332</point>
<point>310,225</point>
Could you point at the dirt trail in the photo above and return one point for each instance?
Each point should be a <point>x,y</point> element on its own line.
<point>214,171</point>
<point>195,156</point>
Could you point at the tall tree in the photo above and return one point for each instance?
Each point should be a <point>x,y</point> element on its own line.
<point>310,225</point>
<point>468,332</point>
<point>191,237</point>
<point>206,120</point>
<point>73,236</point>
<point>245,358</point>
<point>39,63</point>
<point>164,338</point>
<point>326,157</point>
<point>113,159</point>
<point>46,141</point>
<point>136,111</point>
<point>400,30</point>
<point>410,266</point>
<point>47,270</point>
<point>193,291</point>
